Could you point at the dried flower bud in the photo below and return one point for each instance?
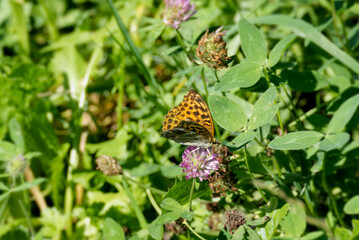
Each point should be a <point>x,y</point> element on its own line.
<point>234,219</point>
<point>212,50</point>
<point>177,11</point>
<point>108,165</point>
<point>16,166</point>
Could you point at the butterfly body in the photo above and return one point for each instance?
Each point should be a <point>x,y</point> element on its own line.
<point>190,123</point>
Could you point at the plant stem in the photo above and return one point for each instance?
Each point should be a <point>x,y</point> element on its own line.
<point>215,73</point>
<point>32,232</point>
<point>190,195</point>
<point>51,21</point>
<point>293,111</point>
<point>336,27</point>
<point>327,189</point>
<point>193,231</point>
<point>155,87</point>
<point>252,176</point>
<point>120,86</point>
<point>158,191</point>
<point>141,219</point>
<point>179,39</point>
<point>204,83</point>
<point>153,202</point>
<point>309,113</point>
<point>278,114</point>
<point>74,152</point>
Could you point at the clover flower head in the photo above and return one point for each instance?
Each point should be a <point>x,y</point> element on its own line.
<point>234,219</point>
<point>177,11</point>
<point>16,166</point>
<point>108,165</point>
<point>199,162</point>
<point>212,49</point>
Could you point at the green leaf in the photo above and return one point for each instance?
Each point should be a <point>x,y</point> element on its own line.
<point>180,191</point>
<point>343,115</point>
<point>296,140</point>
<point>3,187</point>
<point>293,224</point>
<point>258,221</point>
<point>112,230</point>
<point>355,224</point>
<point>307,31</point>
<point>342,233</point>
<point>187,215</point>
<point>239,233</point>
<point>115,147</point>
<point>264,109</point>
<point>7,151</point>
<point>155,230</point>
<point>169,217</point>
<point>352,206</point>
<point>227,113</point>
<point>252,235</point>
<point>28,185</point>
<point>313,235</point>
<point>252,42</point>
<point>171,204</point>
<point>171,171</point>
<point>271,227</point>
<point>242,138</point>
<point>16,134</point>
<point>144,169</point>
<point>4,195</point>
<point>153,31</point>
<point>334,141</point>
<point>279,49</point>
<point>20,25</point>
<point>243,75</point>
<point>305,81</point>
<point>246,106</point>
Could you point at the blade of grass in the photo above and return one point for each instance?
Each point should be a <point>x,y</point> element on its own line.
<point>155,87</point>
<point>307,31</point>
<point>20,25</point>
<point>141,218</point>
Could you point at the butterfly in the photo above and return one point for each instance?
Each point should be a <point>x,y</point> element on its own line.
<point>190,123</point>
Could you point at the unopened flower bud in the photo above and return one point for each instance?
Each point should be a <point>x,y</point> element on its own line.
<point>212,50</point>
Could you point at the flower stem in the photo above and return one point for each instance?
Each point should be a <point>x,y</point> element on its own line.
<point>252,176</point>
<point>204,83</point>
<point>158,191</point>
<point>336,28</point>
<point>140,217</point>
<point>155,87</point>
<point>153,202</point>
<point>179,39</point>
<point>193,231</point>
<point>190,195</point>
<point>278,114</point>
<point>293,111</point>
<point>215,73</point>
<point>332,199</point>
<point>32,232</point>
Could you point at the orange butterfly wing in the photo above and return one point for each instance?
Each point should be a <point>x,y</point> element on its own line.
<point>190,123</point>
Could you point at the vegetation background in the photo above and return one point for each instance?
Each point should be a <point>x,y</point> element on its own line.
<point>85,78</point>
